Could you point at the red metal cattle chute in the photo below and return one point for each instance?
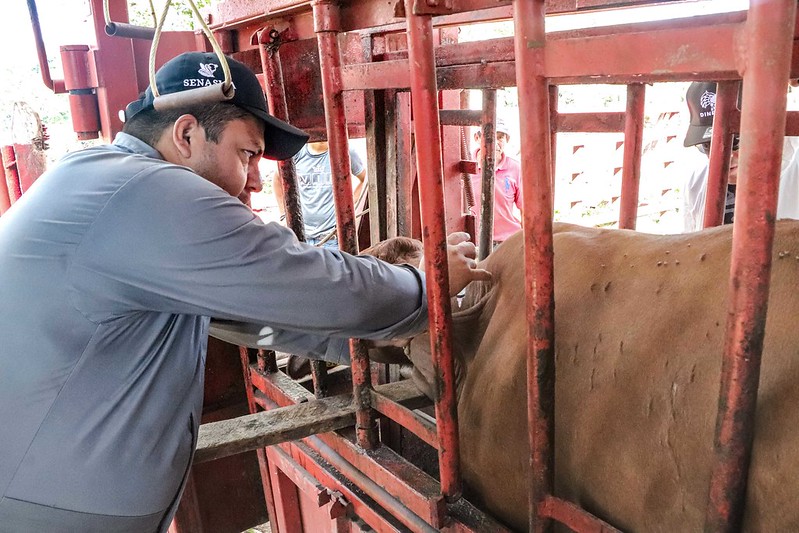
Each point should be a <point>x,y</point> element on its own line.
<point>364,67</point>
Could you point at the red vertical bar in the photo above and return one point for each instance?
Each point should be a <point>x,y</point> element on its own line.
<point>187,517</point>
<point>553,131</point>
<point>273,80</point>
<point>263,463</point>
<point>768,45</point>
<point>488,141</point>
<point>426,126</point>
<point>534,116</point>
<point>5,196</point>
<point>287,502</point>
<point>327,26</point>
<point>276,96</point>
<point>11,173</point>
<point>720,154</point>
<point>633,141</point>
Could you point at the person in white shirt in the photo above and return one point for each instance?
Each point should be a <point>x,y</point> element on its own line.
<point>701,99</point>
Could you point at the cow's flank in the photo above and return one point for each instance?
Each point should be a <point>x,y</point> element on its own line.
<point>639,330</point>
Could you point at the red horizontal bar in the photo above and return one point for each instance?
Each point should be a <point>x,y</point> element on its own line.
<point>590,122</point>
<point>298,475</point>
<point>406,418</point>
<point>573,516</point>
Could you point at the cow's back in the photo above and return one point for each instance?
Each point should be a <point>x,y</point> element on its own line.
<point>639,328</point>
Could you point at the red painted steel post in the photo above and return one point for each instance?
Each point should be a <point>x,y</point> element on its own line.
<point>5,196</point>
<point>424,102</point>
<point>553,131</point>
<point>11,173</point>
<point>720,154</point>
<point>534,116</point>
<point>488,142</point>
<point>81,87</point>
<point>633,144</point>
<point>768,45</point>
<point>263,461</point>
<point>327,26</point>
<point>269,41</point>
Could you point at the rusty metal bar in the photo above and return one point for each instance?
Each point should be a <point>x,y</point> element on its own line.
<point>332,455</point>
<point>721,142</point>
<point>131,31</point>
<point>406,418</point>
<point>424,101</point>
<point>268,40</point>
<point>554,121</point>
<point>633,145</point>
<point>327,26</point>
<point>460,117</point>
<point>5,193</point>
<point>276,97</point>
<point>417,491</point>
<point>267,360</point>
<point>573,516</point>
<point>57,86</point>
<point>11,172</point>
<point>304,481</point>
<point>769,39</point>
<point>252,406</point>
<point>528,18</point>
<point>488,143</point>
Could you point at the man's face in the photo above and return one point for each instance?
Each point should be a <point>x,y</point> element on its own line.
<point>232,163</point>
<point>733,177</point>
<point>499,147</point>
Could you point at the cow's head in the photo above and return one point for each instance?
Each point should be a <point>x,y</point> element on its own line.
<point>466,327</point>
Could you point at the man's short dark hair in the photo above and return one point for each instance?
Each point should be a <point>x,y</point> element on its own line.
<point>149,125</point>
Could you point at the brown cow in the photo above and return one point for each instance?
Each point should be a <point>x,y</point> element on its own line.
<point>639,328</point>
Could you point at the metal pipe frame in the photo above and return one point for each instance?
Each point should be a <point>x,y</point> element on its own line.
<point>488,143</point>
<point>765,69</point>
<point>537,194</point>
<point>327,26</point>
<point>555,127</point>
<point>276,98</point>
<point>633,145</point>
<point>57,86</point>
<point>11,171</point>
<point>720,154</point>
<point>424,101</point>
<point>410,488</point>
<point>263,461</point>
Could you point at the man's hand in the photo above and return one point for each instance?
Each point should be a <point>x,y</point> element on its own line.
<point>461,254</point>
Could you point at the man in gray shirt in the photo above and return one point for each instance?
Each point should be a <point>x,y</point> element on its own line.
<point>315,185</point>
<point>112,266</point>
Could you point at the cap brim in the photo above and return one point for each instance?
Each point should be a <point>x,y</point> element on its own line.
<point>697,135</point>
<point>281,139</point>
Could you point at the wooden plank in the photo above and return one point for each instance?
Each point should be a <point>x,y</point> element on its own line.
<point>405,393</point>
<point>229,437</point>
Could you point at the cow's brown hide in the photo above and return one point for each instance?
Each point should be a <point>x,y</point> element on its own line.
<point>639,330</point>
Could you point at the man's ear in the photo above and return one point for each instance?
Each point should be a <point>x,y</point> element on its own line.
<point>185,130</point>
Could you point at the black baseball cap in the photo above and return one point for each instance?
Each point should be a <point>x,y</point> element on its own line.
<point>192,70</point>
<point>701,99</point>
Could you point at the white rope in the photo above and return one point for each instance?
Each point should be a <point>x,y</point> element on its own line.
<point>228,83</point>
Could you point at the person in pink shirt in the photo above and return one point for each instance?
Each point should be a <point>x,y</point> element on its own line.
<point>507,187</point>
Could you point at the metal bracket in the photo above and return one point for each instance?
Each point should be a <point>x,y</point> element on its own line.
<point>274,42</point>
<point>433,7</point>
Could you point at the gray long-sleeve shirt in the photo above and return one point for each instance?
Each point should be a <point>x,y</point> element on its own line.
<point>110,267</point>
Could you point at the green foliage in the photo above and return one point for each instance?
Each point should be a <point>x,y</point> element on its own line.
<point>180,17</point>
